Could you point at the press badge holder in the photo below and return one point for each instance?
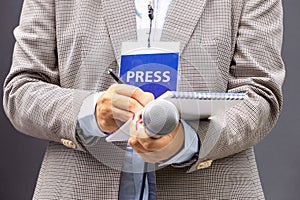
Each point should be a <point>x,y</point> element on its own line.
<point>153,69</point>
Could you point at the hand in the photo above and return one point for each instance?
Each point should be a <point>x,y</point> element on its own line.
<point>154,150</point>
<point>118,104</point>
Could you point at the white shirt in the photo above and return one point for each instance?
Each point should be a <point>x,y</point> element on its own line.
<point>160,8</point>
<point>160,12</point>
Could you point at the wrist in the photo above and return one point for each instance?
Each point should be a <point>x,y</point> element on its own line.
<point>177,142</point>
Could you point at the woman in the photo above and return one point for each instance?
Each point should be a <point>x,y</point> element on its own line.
<point>62,53</point>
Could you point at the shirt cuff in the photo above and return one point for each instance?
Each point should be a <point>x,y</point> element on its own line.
<point>191,147</point>
<point>87,127</point>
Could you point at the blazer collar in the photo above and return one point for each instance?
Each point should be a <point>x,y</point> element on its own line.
<point>181,20</point>
<point>121,23</point>
<point>180,23</point>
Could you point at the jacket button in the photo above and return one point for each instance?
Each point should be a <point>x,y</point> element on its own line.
<point>68,143</point>
<point>204,164</point>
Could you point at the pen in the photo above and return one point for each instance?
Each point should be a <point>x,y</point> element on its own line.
<point>115,77</point>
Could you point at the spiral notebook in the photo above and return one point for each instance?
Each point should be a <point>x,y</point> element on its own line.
<point>201,105</point>
<point>191,106</point>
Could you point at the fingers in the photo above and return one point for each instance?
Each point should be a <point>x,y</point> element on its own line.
<point>150,153</point>
<point>148,145</point>
<point>151,145</point>
<point>155,150</point>
<point>148,96</point>
<point>121,115</point>
<point>107,121</point>
<point>133,142</point>
<point>119,103</point>
<point>136,93</point>
<point>126,103</point>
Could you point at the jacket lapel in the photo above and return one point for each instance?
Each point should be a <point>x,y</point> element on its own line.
<point>181,20</point>
<point>119,16</point>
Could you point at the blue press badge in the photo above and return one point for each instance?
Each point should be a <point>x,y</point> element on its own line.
<point>155,73</point>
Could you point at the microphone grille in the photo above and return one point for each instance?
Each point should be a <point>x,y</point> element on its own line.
<point>160,117</point>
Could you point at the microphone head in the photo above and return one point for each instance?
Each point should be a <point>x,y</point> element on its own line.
<point>160,117</point>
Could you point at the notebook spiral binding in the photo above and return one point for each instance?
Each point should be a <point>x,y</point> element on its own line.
<point>208,95</point>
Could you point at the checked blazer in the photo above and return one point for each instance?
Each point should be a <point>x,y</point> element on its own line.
<point>63,51</point>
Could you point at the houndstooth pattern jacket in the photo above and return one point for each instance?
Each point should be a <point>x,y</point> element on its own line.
<point>64,48</point>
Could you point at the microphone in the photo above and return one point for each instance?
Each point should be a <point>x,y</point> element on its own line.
<point>160,117</point>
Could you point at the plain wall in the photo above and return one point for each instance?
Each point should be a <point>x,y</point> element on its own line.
<point>277,155</point>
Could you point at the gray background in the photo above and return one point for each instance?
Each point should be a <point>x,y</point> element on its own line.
<point>277,155</point>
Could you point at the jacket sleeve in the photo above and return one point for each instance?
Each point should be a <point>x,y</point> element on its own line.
<point>34,101</point>
<point>256,69</point>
